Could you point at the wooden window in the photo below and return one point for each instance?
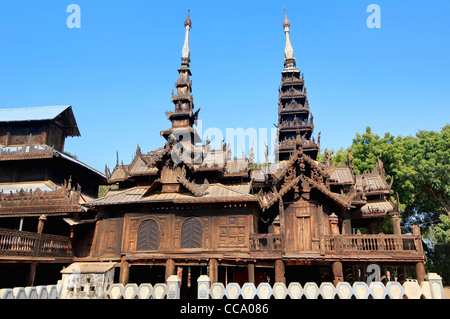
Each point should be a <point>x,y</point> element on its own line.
<point>191,233</point>
<point>148,235</point>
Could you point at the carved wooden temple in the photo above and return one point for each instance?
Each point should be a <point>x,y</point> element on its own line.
<point>41,189</point>
<point>188,209</point>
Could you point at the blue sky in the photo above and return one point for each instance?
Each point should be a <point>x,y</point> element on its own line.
<point>118,70</point>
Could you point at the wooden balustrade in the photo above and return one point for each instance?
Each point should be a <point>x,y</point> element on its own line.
<point>265,242</point>
<point>21,243</point>
<point>355,244</point>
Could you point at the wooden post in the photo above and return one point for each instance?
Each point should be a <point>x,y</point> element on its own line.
<point>170,268</point>
<point>31,275</point>
<point>251,273</point>
<point>337,272</point>
<point>279,271</point>
<point>41,223</point>
<point>347,224</point>
<point>334,224</point>
<point>401,274</point>
<point>213,270</point>
<point>396,225</point>
<point>124,271</point>
<point>420,272</point>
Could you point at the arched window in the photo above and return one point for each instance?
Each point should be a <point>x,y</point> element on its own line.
<point>148,235</point>
<point>191,233</point>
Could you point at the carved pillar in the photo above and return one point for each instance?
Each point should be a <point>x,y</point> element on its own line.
<point>124,271</point>
<point>170,268</point>
<point>251,273</point>
<point>334,224</point>
<point>213,270</point>
<point>337,272</point>
<point>396,224</point>
<point>41,223</point>
<point>279,271</point>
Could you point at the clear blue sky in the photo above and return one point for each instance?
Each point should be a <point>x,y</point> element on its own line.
<point>118,70</point>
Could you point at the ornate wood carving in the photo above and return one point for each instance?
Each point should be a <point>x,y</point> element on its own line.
<point>148,235</point>
<point>64,199</point>
<point>191,233</point>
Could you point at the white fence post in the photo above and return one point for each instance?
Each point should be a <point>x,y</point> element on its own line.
<point>436,287</point>
<point>173,287</point>
<point>203,285</point>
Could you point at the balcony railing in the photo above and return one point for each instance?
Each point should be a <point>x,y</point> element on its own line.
<point>27,244</point>
<point>265,242</point>
<point>372,244</point>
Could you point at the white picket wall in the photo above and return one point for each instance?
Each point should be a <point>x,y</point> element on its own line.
<point>38,292</point>
<point>431,288</point>
<point>310,290</point>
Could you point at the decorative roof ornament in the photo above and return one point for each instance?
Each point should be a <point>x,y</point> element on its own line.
<point>185,52</point>
<point>288,50</point>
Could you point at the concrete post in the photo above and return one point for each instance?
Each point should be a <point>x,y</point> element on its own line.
<point>203,285</point>
<point>173,287</point>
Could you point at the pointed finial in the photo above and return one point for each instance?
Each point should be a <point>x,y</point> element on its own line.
<point>286,22</point>
<point>288,50</point>
<point>185,52</point>
<point>188,20</point>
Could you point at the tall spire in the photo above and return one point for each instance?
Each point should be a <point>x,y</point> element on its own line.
<point>183,117</point>
<point>185,52</point>
<point>288,50</point>
<point>295,121</point>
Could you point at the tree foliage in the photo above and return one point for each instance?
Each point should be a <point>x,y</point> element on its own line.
<point>418,164</point>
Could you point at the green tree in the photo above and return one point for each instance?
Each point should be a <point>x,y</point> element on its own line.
<point>419,166</point>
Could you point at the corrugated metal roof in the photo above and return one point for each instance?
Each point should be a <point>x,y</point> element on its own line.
<point>67,157</point>
<point>136,194</point>
<point>377,206</point>
<point>45,186</point>
<point>374,182</point>
<point>31,113</point>
<point>342,175</point>
<point>236,166</point>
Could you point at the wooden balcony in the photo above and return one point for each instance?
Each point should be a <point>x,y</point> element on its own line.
<point>388,246</point>
<point>371,248</point>
<point>15,243</point>
<point>265,243</point>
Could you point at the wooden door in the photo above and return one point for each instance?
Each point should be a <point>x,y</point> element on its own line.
<point>302,228</point>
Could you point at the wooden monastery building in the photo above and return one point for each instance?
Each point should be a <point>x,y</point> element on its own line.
<point>41,189</point>
<point>189,210</point>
